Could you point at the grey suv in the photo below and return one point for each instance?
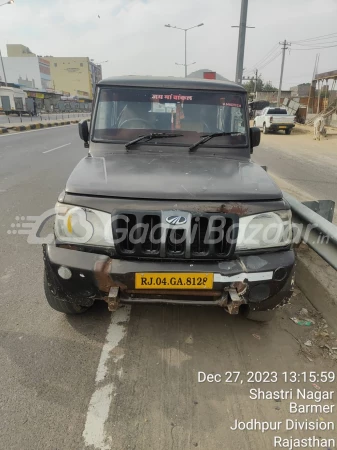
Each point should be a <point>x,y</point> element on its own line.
<point>168,207</point>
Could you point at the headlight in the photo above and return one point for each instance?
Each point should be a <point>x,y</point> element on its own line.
<point>266,230</point>
<point>74,224</point>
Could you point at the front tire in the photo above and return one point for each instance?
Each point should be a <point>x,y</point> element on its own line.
<point>288,131</point>
<point>265,131</point>
<point>59,304</point>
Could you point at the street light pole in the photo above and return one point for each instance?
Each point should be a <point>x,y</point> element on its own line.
<point>187,65</point>
<point>185,31</point>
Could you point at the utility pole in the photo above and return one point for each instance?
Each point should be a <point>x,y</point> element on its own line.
<point>242,41</point>
<point>185,53</point>
<point>284,48</point>
<point>311,99</point>
<point>256,78</point>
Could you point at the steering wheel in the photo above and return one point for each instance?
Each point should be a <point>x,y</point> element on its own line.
<point>144,124</point>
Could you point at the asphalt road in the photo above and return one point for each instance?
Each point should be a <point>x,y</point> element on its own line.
<point>128,380</point>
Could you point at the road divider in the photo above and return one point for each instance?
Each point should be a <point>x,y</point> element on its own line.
<point>36,126</point>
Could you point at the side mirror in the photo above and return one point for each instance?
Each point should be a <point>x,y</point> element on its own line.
<point>83,131</point>
<point>255,137</point>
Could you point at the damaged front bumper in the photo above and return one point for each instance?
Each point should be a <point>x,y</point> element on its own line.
<point>263,281</point>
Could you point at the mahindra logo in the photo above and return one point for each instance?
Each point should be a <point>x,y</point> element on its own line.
<point>176,220</point>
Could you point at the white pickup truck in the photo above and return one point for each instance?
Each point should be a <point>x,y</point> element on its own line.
<point>274,119</point>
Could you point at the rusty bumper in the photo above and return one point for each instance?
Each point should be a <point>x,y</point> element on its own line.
<point>262,281</point>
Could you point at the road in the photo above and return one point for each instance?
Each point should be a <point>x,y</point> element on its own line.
<point>128,380</point>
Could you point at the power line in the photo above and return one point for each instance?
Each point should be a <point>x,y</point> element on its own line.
<point>320,43</point>
<point>268,62</point>
<point>318,38</point>
<point>261,61</point>
<point>312,48</point>
<point>266,56</point>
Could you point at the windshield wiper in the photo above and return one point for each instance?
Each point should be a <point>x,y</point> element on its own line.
<point>208,137</point>
<point>149,137</point>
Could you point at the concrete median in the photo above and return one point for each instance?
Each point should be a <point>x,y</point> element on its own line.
<point>37,125</point>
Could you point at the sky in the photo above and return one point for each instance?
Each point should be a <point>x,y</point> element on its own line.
<point>130,34</point>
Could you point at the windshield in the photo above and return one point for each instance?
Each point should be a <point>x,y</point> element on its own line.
<point>124,114</point>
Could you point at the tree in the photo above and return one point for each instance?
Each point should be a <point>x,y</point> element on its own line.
<point>250,85</point>
<point>269,87</point>
<point>261,86</point>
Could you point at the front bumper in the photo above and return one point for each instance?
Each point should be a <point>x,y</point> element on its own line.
<point>262,281</point>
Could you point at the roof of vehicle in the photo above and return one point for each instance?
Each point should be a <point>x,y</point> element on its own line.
<point>172,82</point>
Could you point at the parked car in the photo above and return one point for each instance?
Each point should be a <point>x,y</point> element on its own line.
<point>168,207</point>
<point>275,119</point>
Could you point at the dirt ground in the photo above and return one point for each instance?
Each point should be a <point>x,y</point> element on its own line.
<point>300,165</point>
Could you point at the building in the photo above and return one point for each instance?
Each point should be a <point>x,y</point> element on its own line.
<point>30,72</point>
<point>18,50</point>
<point>95,73</point>
<point>45,74</point>
<point>73,76</point>
<point>301,90</point>
<point>26,69</point>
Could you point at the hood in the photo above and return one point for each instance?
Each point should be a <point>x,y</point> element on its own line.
<point>172,177</point>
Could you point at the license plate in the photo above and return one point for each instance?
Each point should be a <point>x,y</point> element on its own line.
<point>282,128</point>
<point>166,280</point>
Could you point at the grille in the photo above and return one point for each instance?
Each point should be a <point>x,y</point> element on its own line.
<point>146,235</point>
<point>175,242</point>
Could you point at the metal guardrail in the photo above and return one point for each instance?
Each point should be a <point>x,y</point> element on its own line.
<point>316,231</point>
<point>46,116</point>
